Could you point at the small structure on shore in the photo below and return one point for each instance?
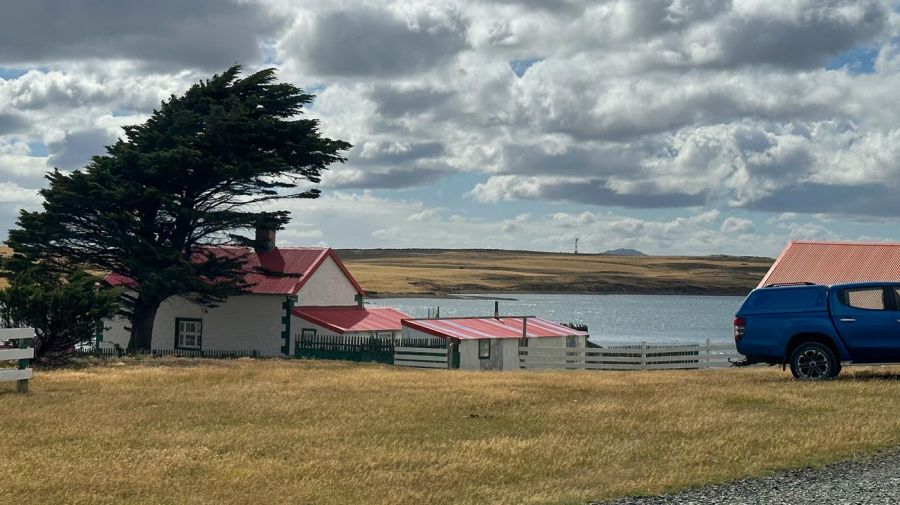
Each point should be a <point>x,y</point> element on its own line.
<point>835,262</point>
<point>492,343</point>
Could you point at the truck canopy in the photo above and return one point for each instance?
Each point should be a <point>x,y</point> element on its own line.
<point>785,299</point>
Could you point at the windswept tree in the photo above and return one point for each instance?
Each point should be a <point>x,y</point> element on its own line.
<point>65,311</point>
<point>196,175</point>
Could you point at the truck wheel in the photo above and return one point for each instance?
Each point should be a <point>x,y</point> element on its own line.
<point>813,361</point>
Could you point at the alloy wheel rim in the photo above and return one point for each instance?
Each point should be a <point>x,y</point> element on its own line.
<point>813,364</point>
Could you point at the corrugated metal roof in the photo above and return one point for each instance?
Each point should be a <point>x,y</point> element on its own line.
<point>489,327</point>
<point>835,263</point>
<point>119,280</point>
<point>351,319</point>
<point>282,271</point>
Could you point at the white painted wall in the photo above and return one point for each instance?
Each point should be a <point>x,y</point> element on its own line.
<point>114,333</point>
<point>246,322</point>
<point>327,286</point>
<point>504,355</point>
<point>468,355</point>
<point>510,353</point>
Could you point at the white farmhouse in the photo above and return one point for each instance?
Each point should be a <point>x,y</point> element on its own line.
<point>264,318</point>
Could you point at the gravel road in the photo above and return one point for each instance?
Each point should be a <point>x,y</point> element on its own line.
<point>866,481</point>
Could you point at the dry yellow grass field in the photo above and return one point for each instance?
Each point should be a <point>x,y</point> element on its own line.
<point>424,272</point>
<point>278,432</point>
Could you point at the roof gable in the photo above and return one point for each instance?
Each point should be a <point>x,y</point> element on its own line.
<point>281,271</point>
<point>835,263</point>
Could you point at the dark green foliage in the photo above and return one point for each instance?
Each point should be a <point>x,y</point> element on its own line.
<point>65,312</point>
<point>194,176</point>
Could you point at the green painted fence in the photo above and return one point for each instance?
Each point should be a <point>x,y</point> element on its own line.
<point>344,347</point>
<point>199,353</point>
<point>359,348</point>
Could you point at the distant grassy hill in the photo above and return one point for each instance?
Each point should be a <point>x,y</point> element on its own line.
<point>443,271</point>
<point>424,272</point>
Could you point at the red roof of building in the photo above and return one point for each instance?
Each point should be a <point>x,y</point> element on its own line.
<point>489,327</point>
<point>835,263</point>
<point>281,271</point>
<point>352,319</point>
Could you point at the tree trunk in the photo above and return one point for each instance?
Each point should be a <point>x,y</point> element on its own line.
<point>142,324</point>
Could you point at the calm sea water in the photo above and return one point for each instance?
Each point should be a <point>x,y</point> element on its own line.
<point>610,318</point>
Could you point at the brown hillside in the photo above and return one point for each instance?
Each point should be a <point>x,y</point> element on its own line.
<point>430,272</point>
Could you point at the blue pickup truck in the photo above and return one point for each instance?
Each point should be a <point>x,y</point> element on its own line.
<point>815,328</point>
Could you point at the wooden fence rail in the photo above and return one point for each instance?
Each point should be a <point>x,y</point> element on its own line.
<point>421,357</point>
<point>21,353</point>
<point>642,357</point>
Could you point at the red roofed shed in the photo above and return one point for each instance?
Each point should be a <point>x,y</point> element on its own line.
<point>353,319</point>
<point>492,343</point>
<point>835,263</point>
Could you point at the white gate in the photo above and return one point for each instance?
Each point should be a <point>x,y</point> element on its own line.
<point>421,357</point>
<point>19,352</point>
<point>636,357</point>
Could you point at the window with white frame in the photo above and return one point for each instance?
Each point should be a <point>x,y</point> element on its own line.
<point>188,333</point>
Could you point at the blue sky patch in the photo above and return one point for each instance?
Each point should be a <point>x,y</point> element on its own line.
<point>859,60</point>
<point>38,149</point>
<point>522,66</point>
<point>10,73</point>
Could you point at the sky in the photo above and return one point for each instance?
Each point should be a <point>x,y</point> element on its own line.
<point>668,126</point>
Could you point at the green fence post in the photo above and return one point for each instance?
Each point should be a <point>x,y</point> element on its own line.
<point>22,384</point>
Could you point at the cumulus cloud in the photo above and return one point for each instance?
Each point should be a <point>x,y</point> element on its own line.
<point>75,149</point>
<point>13,193</point>
<point>365,41</point>
<point>208,34</point>
<point>631,104</point>
<point>11,123</point>
<point>737,225</point>
<point>589,191</point>
<point>676,106</point>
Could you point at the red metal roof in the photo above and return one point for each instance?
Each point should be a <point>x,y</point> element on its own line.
<point>489,327</point>
<point>835,263</point>
<point>281,271</point>
<point>119,280</point>
<point>353,318</point>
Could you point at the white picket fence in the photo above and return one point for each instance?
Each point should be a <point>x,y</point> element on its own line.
<point>421,357</point>
<point>639,357</point>
<point>22,354</point>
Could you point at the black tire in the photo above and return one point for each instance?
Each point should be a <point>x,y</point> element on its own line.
<point>814,361</point>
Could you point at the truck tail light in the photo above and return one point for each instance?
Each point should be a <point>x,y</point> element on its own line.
<point>740,324</point>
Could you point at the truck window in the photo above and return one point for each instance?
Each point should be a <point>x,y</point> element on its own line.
<point>786,298</point>
<point>865,298</point>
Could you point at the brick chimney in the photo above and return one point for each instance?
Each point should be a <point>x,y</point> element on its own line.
<point>265,239</point>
